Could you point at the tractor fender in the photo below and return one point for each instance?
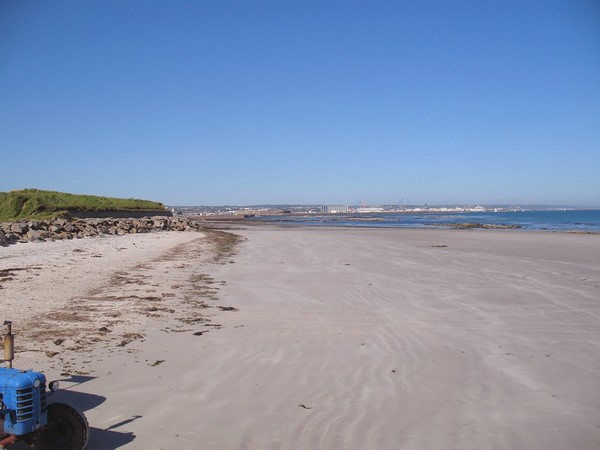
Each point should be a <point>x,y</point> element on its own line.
<point>67,429</point>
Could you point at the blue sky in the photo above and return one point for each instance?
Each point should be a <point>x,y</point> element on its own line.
<point>229,102</point>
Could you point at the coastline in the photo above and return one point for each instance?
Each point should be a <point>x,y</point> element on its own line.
<point>542,220</point>
<point>357,338</point>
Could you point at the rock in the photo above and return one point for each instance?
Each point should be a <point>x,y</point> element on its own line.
<point>11,237</point>
<point>35,224</point>
<point>3,240</point>
<point>102,229</point>
<point>34,235</point>
<point>18,228</point>
<point>89,232</point>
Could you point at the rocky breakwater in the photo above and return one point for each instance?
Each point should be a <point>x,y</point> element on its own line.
<point>59,228</point>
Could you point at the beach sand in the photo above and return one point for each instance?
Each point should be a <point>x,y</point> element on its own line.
<point>323,338</point>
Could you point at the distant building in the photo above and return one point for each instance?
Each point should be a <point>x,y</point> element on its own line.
<point>368,209</point>
<point>335,209</point>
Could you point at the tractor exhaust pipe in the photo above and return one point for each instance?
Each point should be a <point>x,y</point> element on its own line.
<point>9,344</point>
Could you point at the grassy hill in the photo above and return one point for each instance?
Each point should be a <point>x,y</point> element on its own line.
<point>36,204</point>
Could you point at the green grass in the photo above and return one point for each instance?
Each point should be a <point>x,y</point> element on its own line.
<point>36,204</point>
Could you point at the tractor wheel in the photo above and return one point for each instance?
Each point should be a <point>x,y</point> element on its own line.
<point>67,429</point>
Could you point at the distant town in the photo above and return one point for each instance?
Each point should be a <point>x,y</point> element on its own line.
<point>270,210</point>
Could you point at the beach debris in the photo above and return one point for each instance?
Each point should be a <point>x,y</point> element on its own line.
<point>59,341</point>
<point>228,308</point>
<point>439,246</point>
<point>200,333</point>
<point>128,338</point>
<point>192,320</point>
<point>302,405</point>
<point>9,274</point>
<point>104,330</point>
<point>51,354</point>
<point>158,362</point>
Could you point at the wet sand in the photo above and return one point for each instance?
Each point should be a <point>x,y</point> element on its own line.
<point>318,338</point>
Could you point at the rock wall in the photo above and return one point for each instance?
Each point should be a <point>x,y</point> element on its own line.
<point>118,214</point>
<point>59,228</point>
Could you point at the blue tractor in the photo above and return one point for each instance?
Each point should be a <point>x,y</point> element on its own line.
<point>27,413</point>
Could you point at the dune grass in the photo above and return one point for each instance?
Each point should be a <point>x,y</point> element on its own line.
<point>37,204</point>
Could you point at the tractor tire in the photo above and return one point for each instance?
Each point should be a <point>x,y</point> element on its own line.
<point>67,429</point>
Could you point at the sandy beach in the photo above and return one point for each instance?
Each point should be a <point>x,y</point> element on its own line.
<point>300,338</point>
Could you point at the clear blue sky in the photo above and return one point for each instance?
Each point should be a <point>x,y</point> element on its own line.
<point>230,102</point>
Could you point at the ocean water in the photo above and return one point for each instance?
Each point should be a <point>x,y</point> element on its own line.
<point>554,220</point>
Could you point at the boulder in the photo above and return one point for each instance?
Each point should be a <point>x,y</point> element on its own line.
<point>36,224</point>
<point>34,235</point>
<point>89,232</point>
<point>3,240</point>
<point>59,222</point>
<point>102,229</point>
<point>19,228</point>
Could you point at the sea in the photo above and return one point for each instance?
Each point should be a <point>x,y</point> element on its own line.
<point>551,220</point>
